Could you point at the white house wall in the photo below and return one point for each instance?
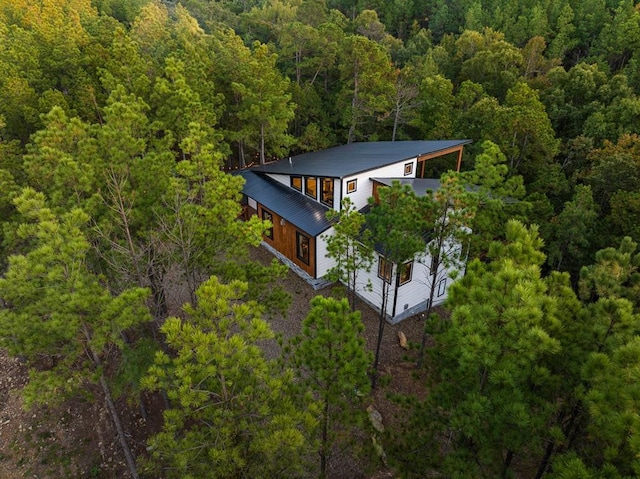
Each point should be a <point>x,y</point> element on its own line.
<point>412,297</point>
<point>284,179</point>
<point>323,262</point>
<point>374,296</point>
<point>365,186</point>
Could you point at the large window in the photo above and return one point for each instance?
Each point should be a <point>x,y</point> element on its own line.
<point>302,247</point>
<point>385,269</point>
<point>266,215</point>
<point>326,196</point>
<point>311,187</point>
<point>296,183</point>
<point>404,273</point>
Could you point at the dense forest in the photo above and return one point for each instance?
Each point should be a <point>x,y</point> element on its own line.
<point>121,122</point>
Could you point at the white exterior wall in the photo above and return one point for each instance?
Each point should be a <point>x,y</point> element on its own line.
<point>412,297</point>
<point>365,186</point>
<point>323,262</point>
<point>373,297</point>
<point>284,179</point>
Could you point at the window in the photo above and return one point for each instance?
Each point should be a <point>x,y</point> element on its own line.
<point>352,186</point>
<point>326,195</point>
<point>302,247</point>
<point>311,187</point>
<point>296,183</point>
<point>404,273</point>
<point>385,269</point>
<point>408,168</point>
<point>266,215</point>
<point>442,287</point>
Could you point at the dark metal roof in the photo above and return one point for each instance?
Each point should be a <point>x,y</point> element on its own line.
<point>419,185</point>
<point>305,213</point>
<point>354,158</point>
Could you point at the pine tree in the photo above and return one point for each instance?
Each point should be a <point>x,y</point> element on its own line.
<point>396,225</point>
<point>489,396</point>
<point>57,315</point>
<point>233,412</point>
<point>350,247</point>
<point>331,356</point>
<point>449,214</point>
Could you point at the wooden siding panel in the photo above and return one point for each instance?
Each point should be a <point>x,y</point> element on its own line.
<point>284,240</point>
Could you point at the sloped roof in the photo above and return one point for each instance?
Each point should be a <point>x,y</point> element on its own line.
<point>305,213</point>
<point>353,158</point>
<point>419,185</point>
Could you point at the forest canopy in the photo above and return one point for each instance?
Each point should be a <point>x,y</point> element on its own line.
<point>121,121</point>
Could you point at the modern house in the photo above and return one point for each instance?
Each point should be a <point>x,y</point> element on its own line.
<point>296,193</point>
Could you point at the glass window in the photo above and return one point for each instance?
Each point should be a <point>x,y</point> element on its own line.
<point>408,169</point>
<point>266,215</point>
<point>327,191</point>
<point>385,269</point>
<point>311,187</point>
<point>352,186</point>
<point>442,287</point>
<point>296,183</point>
<point>302,247</point>
<point>404,273</point>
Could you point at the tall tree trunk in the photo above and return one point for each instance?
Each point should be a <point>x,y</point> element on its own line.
<point>382,319</point>
<point>241,158</point>
<point>507,464</point>
<point>262,155</point>
<point>545,459</point>
<point>128,456</point>
<point>396,120</point>
<point>325,439</point>
<point>435,266</point>
<point>155,274</point>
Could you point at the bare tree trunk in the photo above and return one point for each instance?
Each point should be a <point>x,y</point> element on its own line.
<point>325,439</point>
<point>262,155</point>
<point>396,120</point>
<point>128,457</point>
<point>382,319</point>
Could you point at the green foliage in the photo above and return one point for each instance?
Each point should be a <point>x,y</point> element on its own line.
<point>488,396</point>
<point>367,86</point>
<point>396,222</point>
<point>264,106</point>
<point>498,197</point>
<point>201,225</point>
<point>56,312</point>
<point>571,244</point>
<point>233,412</point>
<point>349,246</point>
<point>333,362</point>
<point>615,274</point>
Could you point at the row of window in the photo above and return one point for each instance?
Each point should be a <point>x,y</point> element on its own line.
<point>311,186</point>
<point>302,241</point>
<point>385,271</point>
